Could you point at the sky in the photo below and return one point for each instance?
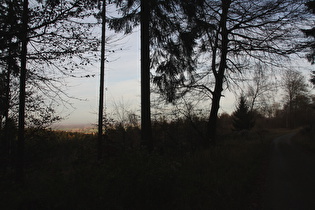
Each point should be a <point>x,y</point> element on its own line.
<point>122,81</point>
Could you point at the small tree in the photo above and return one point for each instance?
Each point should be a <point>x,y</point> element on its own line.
<point>243,118</point>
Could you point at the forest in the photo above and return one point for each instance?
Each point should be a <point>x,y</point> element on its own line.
<point>181,151</point>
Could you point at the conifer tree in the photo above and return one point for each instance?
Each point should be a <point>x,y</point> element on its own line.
<point>243,118</point>
<point>310,33</point>
<point>311,44</point>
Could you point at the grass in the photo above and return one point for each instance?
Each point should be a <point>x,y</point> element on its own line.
<point>62,174</point>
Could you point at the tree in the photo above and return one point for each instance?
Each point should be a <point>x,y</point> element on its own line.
<point>102,70</point>
<point>312,80</point>
<point>146,135</point>
<point>131,17</point>
<point>58,42</point>
<point>303,111</point>
<point>259,89</point>
<point>231,35</point>
<point>310,44</point>
<point>159,21</point>
<point>10,17</point>
<point>243,118</point>
<point>55,39</point>
<point>10,50</point>
<point>21,125</point>
<point>294,86</point>
<point>39,35</point>
<point>2,97</point>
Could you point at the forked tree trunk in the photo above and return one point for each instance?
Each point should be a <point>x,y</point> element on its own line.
<point>219,77</point>
<point>213,118</point>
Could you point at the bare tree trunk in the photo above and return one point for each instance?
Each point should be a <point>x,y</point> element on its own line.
<point>292,111</point>
<point>219,76</point>
<point>213,118</point>
<point>21,134</point>
<point>146,130</point>
<point>101,97</point>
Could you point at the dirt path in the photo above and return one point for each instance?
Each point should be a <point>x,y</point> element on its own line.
<point>290,180</point>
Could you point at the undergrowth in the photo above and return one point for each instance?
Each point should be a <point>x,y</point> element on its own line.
<point>62,174</point>
<point>306,139</point>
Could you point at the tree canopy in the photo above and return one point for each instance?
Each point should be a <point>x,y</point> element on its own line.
<point>224,39</point>
<point>60,42</point>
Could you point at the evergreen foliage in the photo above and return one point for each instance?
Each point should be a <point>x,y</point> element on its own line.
<point>313,77</point>
<point>311,44</point>
<point>311,33</point>
<point>243,118</point>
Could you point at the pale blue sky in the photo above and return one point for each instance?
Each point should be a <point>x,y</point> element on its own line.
<point>122,80</point>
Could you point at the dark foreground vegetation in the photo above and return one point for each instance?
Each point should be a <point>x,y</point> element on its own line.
<point>193,52</point>
<point>305,138</point>
<point>62,171</point>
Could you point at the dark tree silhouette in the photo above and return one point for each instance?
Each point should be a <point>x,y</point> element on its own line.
<point>101,93</point>
<point>43,35</point>
<point>146,136</point>
<point>310,33</point>
<point>230,36</point>
<point>243,118</point>
<point>313,77</point>
<point>131,17</point>
<point>311,44</point>
<point>57,45</point>
<point>159,21</point>
<point>10,16</point>
<point>21,133</point>
<point>294,86</point>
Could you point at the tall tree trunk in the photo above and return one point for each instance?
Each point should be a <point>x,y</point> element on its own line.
<point>21,133</point>
<point>213,118</point>
<point>219,77</point>
<point>6,140</point>
<point>5,148</point>
<point>146,130</point>
<point>101,97</point>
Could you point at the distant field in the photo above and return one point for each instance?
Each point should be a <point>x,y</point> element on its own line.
<point>80,128</point>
